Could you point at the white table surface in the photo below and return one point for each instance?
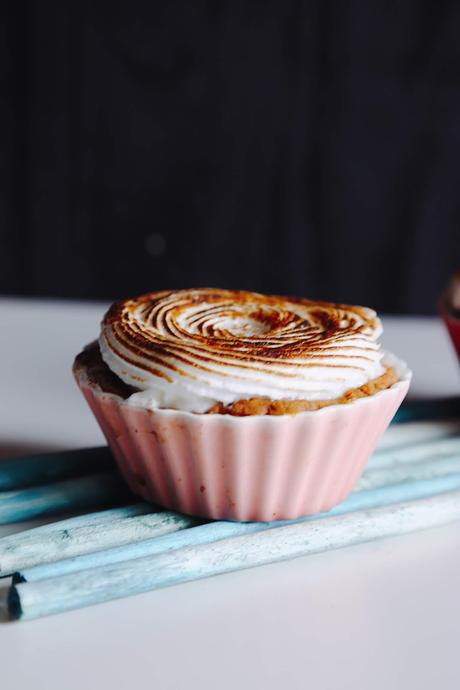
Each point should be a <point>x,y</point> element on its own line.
<point>378,616</point>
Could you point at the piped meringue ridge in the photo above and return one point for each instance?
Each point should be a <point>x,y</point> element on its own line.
<point>191,349</point>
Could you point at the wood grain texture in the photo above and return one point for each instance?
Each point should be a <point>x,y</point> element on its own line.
<point>82,493</point>
<point>32,470</point>
<point>85,539</point>
<point>411,482</point>
<point>55,595</point>
<point>405,472</point>
<point>215,531</point>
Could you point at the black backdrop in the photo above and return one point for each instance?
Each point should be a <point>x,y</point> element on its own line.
<point>298,147</point>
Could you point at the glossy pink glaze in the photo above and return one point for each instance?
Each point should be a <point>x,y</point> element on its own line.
<point>244,468</point>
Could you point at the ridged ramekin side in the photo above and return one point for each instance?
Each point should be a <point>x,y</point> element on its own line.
<point>244,468</point>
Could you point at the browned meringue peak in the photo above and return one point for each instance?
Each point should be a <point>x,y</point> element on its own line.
<point>221,345</point>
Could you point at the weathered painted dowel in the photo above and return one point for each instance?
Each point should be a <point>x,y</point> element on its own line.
<point>35,599</point>
<point>88,538</point>
<point>72,494</point>
<point>37,538</point>
<point>86,519</point>
<point>214,531</point>
<point>437,408</point>
<point>373,478</point>
<point>417,452</point>
<point>32,470</point>
<point>34,547</point>
<point>398,435</point>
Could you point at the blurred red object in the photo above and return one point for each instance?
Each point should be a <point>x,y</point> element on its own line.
<point>453,326</point>
<point>450,311</point>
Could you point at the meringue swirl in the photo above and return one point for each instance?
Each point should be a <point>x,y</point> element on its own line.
<point>189,349</point>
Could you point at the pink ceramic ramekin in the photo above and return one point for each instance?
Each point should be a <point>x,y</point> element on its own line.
<point>245,468</point>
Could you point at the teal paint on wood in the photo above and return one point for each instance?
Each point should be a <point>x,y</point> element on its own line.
<point>420,467</point>
<point>215,531</point>
<point>35,599</point>
<point>82,493</point>
<point>395,475</point>
<point>32,470</point>
<point>98,517</point>
<point>85,539</point>
<point>439,408</point>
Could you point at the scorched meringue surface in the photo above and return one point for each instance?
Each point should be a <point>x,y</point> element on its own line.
<point>191,349</point>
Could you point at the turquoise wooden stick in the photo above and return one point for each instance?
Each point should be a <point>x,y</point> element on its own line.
<point>34,599</point>
<point>215,531</point>
<point>71,494</point>
<point>85,539</point>
<point>87,519</point>
<point>398,435</point>
<point>28,549</point>
<point>438,408</point>
<point>50,467</point>
<point>446,447</point>
<point>375,477</point>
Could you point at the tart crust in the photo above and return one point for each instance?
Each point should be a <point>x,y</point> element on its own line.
<point>264,406</point>
<point>99,373</point>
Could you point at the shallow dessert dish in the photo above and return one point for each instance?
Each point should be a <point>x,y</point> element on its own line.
<point>236,405</point>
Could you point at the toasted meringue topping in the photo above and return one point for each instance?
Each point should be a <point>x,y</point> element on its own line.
<point>192,348</point>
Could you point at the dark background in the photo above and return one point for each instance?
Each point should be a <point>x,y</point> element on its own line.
<point>287,146</point>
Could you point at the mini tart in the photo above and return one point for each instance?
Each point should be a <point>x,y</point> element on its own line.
<point>99,373</point>
<point>267,456</point>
